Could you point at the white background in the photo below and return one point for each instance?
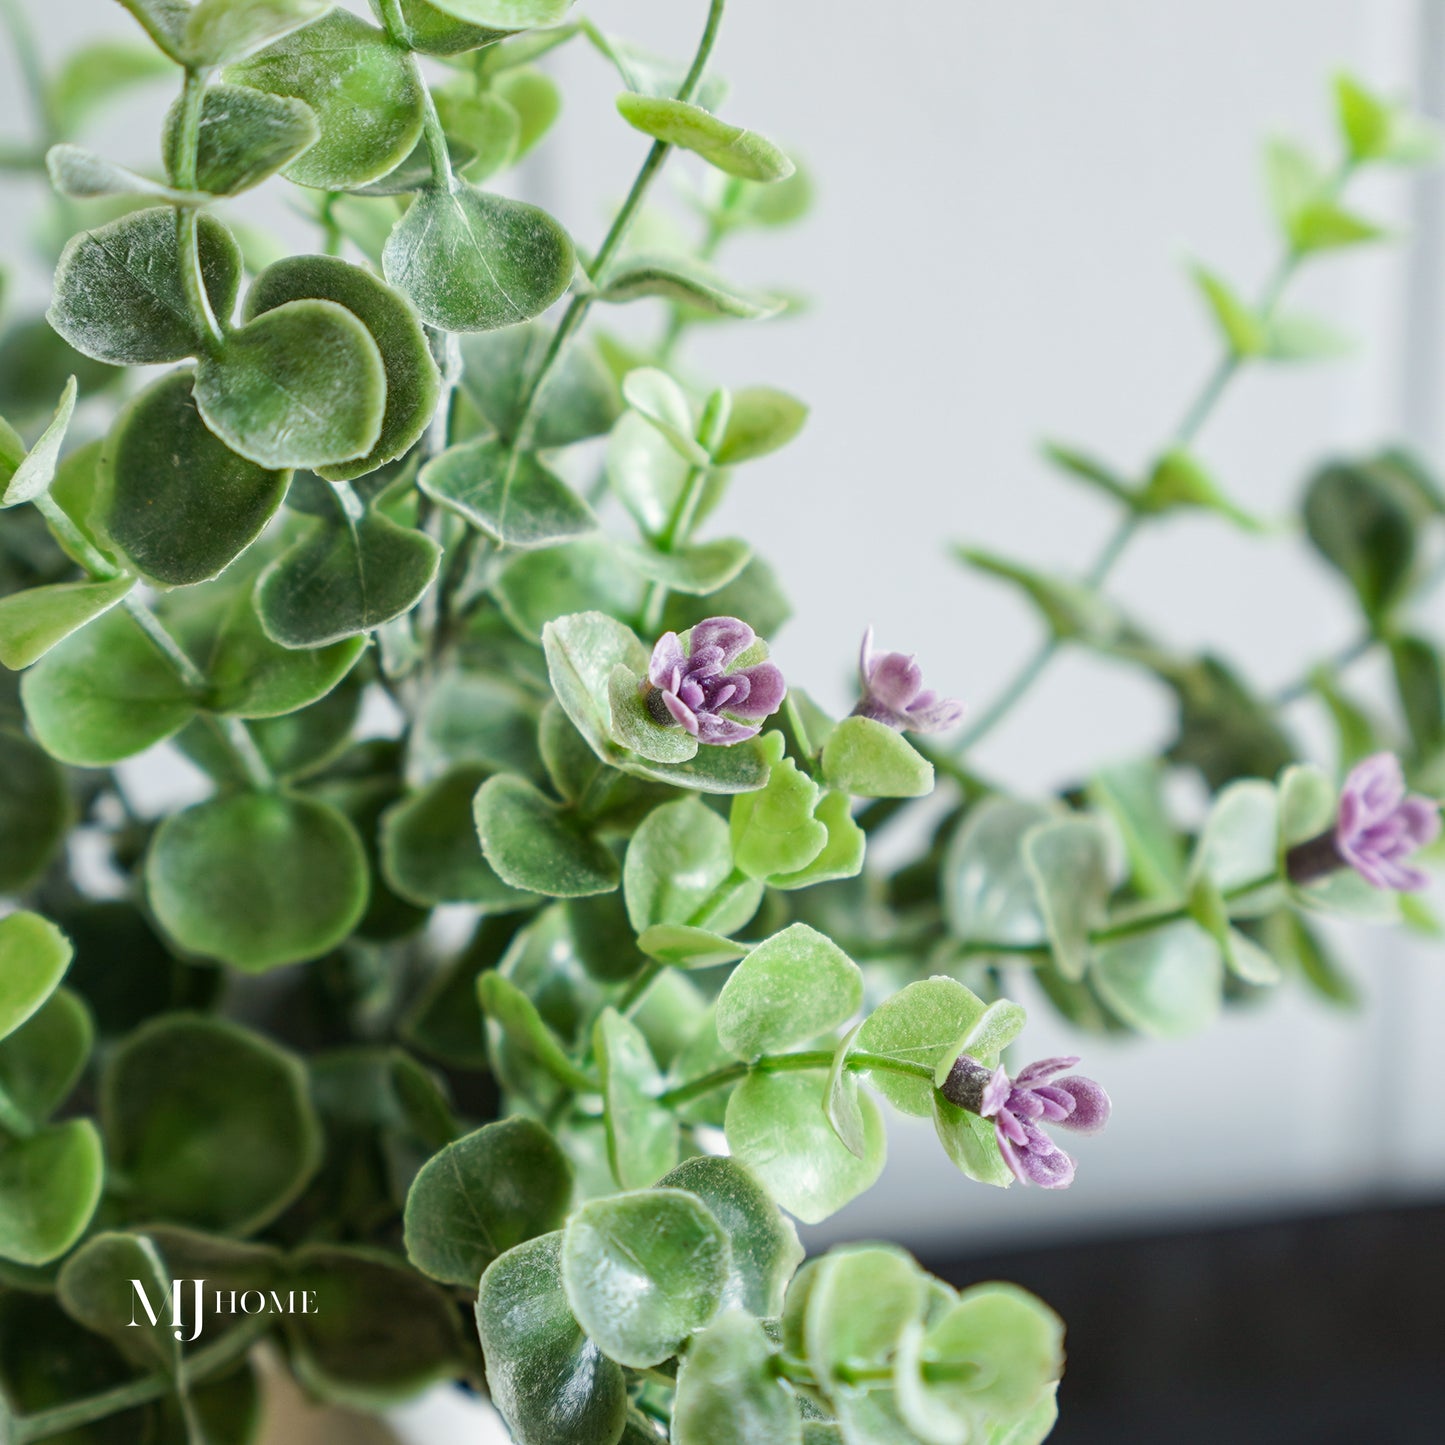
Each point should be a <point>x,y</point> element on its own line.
<point>1008,196</point>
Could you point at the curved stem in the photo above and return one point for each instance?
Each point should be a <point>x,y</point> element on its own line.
<point>188,127</point>
<point>787,1064</point>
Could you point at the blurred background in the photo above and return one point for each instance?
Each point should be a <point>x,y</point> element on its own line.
<point>1008,200</point>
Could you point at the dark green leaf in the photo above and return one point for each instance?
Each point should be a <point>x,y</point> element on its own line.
<point>536,845</point>
<point>245,135</point>
<point>41,1061</point>
<point>1421,690</point>
<point>49,1186</point>
<point>35,811</point>
<point>517,1016</point>
<point>685,282</point>
<point>33,622</point>
<point>591,574</point>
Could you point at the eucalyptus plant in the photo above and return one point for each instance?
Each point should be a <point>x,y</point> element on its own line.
<point>517,976</point>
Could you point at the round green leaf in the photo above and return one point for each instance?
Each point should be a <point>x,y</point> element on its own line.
<point>793,987</point>
<point>49,1186</point>
<point>738,152</point>
<point>552,1385</point>
<point>413,386</point>
<point>482,1195</point>
<point>118,295</point>
<point>209,1123</point>
<point>301,386</point>
<point>728,1392</point>
<point>343,579</point>
<point>919,1024</point>
<point>837,1334</point>
<point>506,14</point>
<point>32,622</point>
<point>177,501</point>
<point>41,1061</point>
<point>777,1128</point>
<point>35,811</point>
<point>104,694</point>
<point>534,844</point>
<point>1166,982</point>
<point>870,760</point>
<point>677,864</point>
<point>986,889</point>
<point>510,495</point>
<point>642,1135</point>
<point>1068,860</point>
<point>970,1142</point>
<point>774,830</point>
<point>765,1248</point>
<point>96,1286</point>
<point>245,136</point>
<point>34,955</point>
<point>365,94</point>
<point>590,574</point>
<point>434,32</point>
<point>643,1272</point>
<point>761,420</point>
<point>472,261</point>
<point>257,880</point>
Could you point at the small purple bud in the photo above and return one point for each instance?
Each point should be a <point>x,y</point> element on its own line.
<point>1377,828</point>
<point>691,683</point>
<point>1019,1105</point>
<point>893,693</point>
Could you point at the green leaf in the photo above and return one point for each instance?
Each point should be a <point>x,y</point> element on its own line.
<point>655,396</point>
<point>970,1142</point>
<point>472,261</point>
<point>252,677</point>
<point>1421,690</point>
<point>728,1392</point>
<point>1088,469</point>
<point>483,1195</point>
<point>96,1284</point>
<point>104,694</point>
<point>1297,337</point>
<point>245,136</point>
<point>838,1336</point>
<point>840,1102</point>
<point>761,421</point>
<point>35,811</point>
<point>1178,480</point>
<point>509,494</point>
<point>118,295</point>
<point>507,15</point>
<point>738,152</point>
<point>1244,332</point>
<point>987,892</point>
<point>536,845</point>
<point>1068,860</point>
<point>33,622</point>
<point>1132,795</point>
<point>429,848</point>
<point>795,986</point>
<point>178,502</point>
<point>841,855</point>
<point>987,1037</point>
<point>378,1334</point>
<point>228,1103</point>
<point>257,880</point>
<point>633,727</point>
<point>302,385</point>
<point>549,1381</point>
<point>677,864</point>
<point>1237,848</point>
<point>413,386</point>
<point>1303,200</point>
<point>776,1127</point>
<point>341,580</point>
<point>685,282</point>
<point>42,1060</point>
<point>590,574</point>
<point>869,760</point>
<point>773,830</point>
<point>1070,610</point>
<point>1224,730</point>
<point>83,175</point>
<point>763,1243</point>
<point>50,1185</point>
<point>30,477</point>
<point>920,1024</point>
<point>646,472</point>
<point>366,96</point>
<point>220,31</point>
<point>34,955</point>
<point>516,1015</point>
<point>1165,982</point>
<point>644,1271</point>
<point>642,1136</point>
<point>686,947</point>
<point>697,570</point>
<point>1376,130</point>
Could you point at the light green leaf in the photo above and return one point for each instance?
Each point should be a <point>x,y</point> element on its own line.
<point>1376,130</point>
<point>366,96</point>
<point>841,855</point>
<point>1165,982</point>
<point>970,1142</point>
<point>482,1195</point>
<point>97,73</point>
<point>840,1101</point>
<point>50,1185</point>
<point>83,175</point>
<point>677,865</point>
<point>41,1061</point>
<point>633,727</point>
<point>509,494</point>
<point>220,31</point>
<point>1238,847</point>
<point>777,1128</point>
<point>795,986</point>
<point>536,845</point>
<point>1244,332</point>
<point>257,880</point>
<point>738,152</point>
<point>838,1335</point>
<point>685,282</point>
<point>644,1271</point>
<point>653,394</point>
<point>921,1024</point>
<point>472,261</point>
<point>34,955</point>
<point>1294,336</point>
<point>685,947</point>
<point>642,1136</point>
<point>773,830</point>
<point>588,575</point>
<point>761,421</point>
<point>33,622</point>
<point>1178,480</point>
<point>31,476</point>
<point>1068,860</point>
<point>697,570</point>
<point>1132,795</point>
<point>728,1392</point>
<point>987,891</point>
<point>506,1005</point>
<point>869,760</point>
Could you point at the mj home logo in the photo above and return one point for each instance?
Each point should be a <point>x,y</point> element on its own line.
<point>227,1302</point>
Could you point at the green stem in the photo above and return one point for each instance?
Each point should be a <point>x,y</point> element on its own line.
<point>678,529</point>
<point>581,302</point>
<point>856,1062</point>
<point>437,152</point>
<point>74,540</point>
<point>75,1414</point>
<point>188,129</point>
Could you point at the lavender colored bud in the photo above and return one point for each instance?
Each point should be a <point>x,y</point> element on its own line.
<point>1377,828</point>
<point>893,693</point>
<point>1019,1105</point>
<point>693,683</point>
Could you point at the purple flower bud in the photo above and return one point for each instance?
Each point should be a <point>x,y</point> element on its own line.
<point>893,693</point>
<point>1377,828</point>
<point>692,683</point>
<point>1019,1105</point>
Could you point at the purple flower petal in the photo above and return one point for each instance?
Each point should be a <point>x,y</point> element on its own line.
<point>1054,1170</point>
<point>732,636</point>
<point>894,681</point>
<point>995,1092</point>
<point>766,690</point>
<point>1092,1106</point>
<point>1043,1069</point>
<point>723,731</point>
<point>667,661</point>
<point>683,714</point>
